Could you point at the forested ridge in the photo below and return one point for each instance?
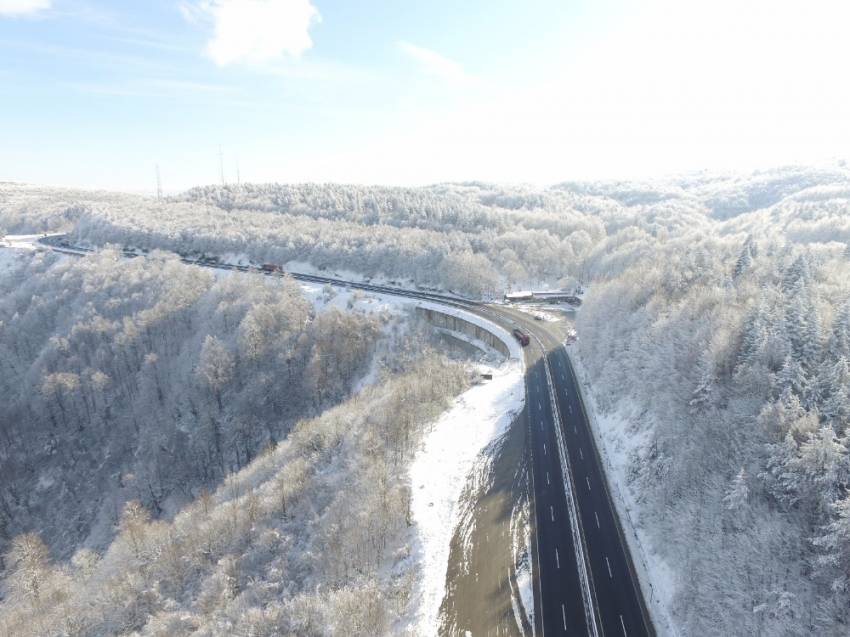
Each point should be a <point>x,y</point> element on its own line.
<point>183,452</point>
<point>152,377</point>
<point>715,334</point>
<point>720,350</point>
<point>728,360</point>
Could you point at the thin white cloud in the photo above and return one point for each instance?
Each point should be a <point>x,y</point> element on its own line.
<point>433,63</point>
<point>23,7</point>
<point>254,31</point>
<point>153,87</point>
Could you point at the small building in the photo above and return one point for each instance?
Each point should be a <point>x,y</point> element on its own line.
<point>543,297</point>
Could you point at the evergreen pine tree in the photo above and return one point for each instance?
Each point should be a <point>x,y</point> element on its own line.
<point>745,259</point>
<point>738,493</point>
<point>754,335</point>
<point>802,321</point>
<point>797,275</point>
<point>822,467</point>
<point>703,395</point>
<point>791,378</point>
<point>839,344</point>
<point>836,406</point>
<point>778,476</point>
<point>835,541</point>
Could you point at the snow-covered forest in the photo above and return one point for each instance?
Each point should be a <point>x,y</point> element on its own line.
<point>152,409</point>
<point>470,238</point>
<point>152,377</point>
<point>715,334</point>
<point>723,349</point>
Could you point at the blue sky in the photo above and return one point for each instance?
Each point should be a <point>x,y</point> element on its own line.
<point>95,94</point>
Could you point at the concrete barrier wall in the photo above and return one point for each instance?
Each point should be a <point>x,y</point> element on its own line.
<point>457,324</point>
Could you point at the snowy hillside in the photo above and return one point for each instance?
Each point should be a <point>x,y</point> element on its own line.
<point>715,336</point>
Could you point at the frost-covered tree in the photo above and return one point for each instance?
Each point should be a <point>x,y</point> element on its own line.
<point>29,564</point>
<point>738,493</point>
<point>133,525</point>
<point>834,542</point>
<point>215,366</point>
<point>822,466</point>
<point>780,476</point>
<point>736,500</point>
<point>839,345</point>
<point>745,259</point>
<point>791,378</point>
<point>798,275</point>
<point>836,405</point>
<point>803,325</point>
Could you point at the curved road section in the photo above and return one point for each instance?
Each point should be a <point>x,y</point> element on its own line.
<point>585,582</point>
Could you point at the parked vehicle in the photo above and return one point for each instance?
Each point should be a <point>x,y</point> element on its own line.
<point>270,268</point>
<point>521,337</point>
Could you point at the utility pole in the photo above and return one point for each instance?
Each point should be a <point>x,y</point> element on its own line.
<point>238,175</point>
<point>158,184</point>
<point>221,165</point>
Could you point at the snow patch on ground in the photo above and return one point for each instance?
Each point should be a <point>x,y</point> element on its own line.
<point>522,599</point>
<point>440,470</point>
<point>325,297</point>
<point>22,241</point>
<point>617,439</point>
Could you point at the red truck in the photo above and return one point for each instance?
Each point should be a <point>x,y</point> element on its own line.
<point>521,337</point>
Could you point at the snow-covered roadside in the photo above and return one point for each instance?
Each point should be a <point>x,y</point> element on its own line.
<point>441,467</point>
<point>22,241</point>
<point>438,475</point>
<point>617,439</point>
<point>523,600</point>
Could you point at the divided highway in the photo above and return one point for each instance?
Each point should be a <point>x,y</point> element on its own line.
<point>616,606</point>
<point>584,579</point>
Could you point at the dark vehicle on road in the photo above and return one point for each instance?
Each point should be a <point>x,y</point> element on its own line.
<point>521,337</point>
<point>270,267</point>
